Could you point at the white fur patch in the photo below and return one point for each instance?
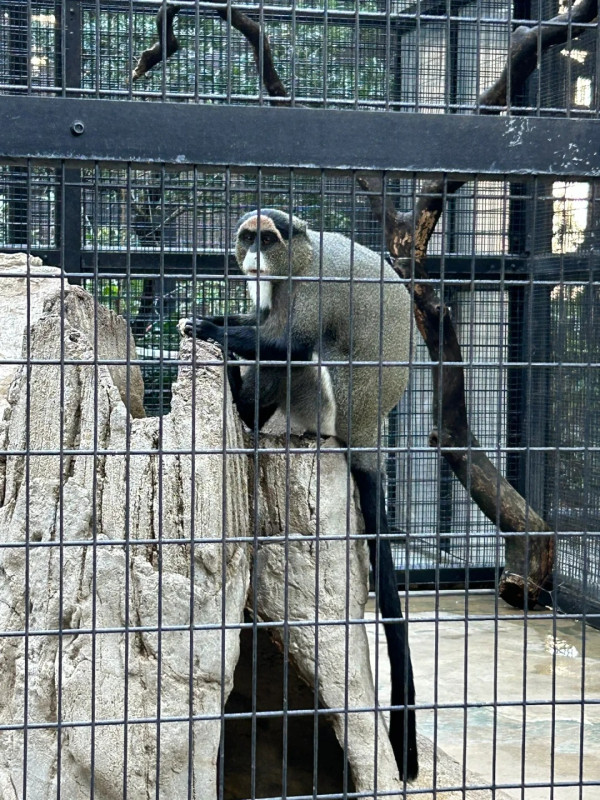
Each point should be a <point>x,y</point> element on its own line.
<point>264,302</point>
<point>328,406</point>
<point>250,267</point>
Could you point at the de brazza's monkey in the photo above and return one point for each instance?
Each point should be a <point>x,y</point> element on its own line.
<point>344,314</point>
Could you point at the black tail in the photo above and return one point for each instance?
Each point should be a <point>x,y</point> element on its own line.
<point>403,729</point>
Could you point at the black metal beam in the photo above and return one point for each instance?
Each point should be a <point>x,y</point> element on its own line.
<point>183,134</point>
<point>445,577</point>
<point>151,262</point>
<point>553,268</point>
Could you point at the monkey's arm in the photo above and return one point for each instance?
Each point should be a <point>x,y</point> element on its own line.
<point>233,320</point>
<point>248,340</point>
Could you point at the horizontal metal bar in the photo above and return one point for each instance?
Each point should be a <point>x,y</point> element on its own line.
<point>182,134</point>
<point>152,263</point>
<point>572,599</point>
<point>214,263</point>
<point>448,576</point>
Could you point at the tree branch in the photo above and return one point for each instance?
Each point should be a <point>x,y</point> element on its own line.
<point>154,55</point>
<point>408,236</point>
<point>249,28</point>
<point>259,42</point>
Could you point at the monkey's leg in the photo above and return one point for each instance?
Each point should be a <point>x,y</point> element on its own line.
<point>403,731</point>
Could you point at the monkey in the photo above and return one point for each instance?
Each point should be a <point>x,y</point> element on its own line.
<point>320,297</point>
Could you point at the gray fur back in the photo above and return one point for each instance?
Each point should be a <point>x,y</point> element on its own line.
<point>379,306</point>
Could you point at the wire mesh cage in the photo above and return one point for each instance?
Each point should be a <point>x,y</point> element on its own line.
<point>184,599</point>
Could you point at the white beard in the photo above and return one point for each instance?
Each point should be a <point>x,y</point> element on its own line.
<point>266,288</point>
<point>250,266</point>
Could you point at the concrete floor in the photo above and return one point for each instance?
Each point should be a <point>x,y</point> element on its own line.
<point>487,653</point>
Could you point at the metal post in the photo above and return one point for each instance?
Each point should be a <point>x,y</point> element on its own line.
<point>17,70</point>
<point>70,242</point>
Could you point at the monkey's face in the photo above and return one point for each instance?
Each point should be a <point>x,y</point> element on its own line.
<point>255,249</point>
<point>268,245</point>
<point>258,251</point>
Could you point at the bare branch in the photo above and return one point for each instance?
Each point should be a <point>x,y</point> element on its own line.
<point>525,45</point>
<point>154,55</point>
<point>528,563</point>
<point>522,60</point>
<point>259,41</point>
<point>249,28</point>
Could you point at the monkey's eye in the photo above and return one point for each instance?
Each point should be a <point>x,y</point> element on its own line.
<point>247,237</point>
<point>268,238</point>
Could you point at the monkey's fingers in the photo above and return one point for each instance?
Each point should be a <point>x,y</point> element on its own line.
<point>199,328</point>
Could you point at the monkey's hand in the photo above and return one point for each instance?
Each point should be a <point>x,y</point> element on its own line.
<point>202,329</point>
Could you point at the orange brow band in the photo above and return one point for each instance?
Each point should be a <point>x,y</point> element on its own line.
<point>266,224</point>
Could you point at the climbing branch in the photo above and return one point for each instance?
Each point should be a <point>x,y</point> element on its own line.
<point>154,55</point>
<point>248,27</point>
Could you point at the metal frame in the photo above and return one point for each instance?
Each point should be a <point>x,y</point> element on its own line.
<point>48,128</point>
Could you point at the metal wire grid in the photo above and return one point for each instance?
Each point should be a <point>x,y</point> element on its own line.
<point>559,433</point>
<point>452,531</point>
<point>405,56</point>
<point>481,311</point>
<point>174,210</point>
<point>164,217</point>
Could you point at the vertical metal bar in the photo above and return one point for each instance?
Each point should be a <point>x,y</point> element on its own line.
<point>451,61</point>
<point>317,550</point>
<point>256,501</point>
<point>408,455</point>
<point>221,775</point>
<point>224,530</point>
<point>71,233</point>
<point>261,52</point>
<point>292,83</point>
<point>388,66</point>
<point>286,575</point>
<point>325,64</point>
<point>193,447</point>
<point>197,57</point>
<point>18,71</point>
<point>378,499</point>
<point>127,516</point>
<point>130,47</point>
<point>228,51</point>
<point>350,486</point>
<point>357,64</point>
<point>538,422</point>
<point>163,63</point>
<point>95,495</point>
<point>559,356</point>
<point>27,476</point>
<point>516,408</point>
<point>160,477</point>
<point>417,106</point>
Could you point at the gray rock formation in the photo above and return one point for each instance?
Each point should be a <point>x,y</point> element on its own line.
<point>125,554</point>
<point>98,558</point>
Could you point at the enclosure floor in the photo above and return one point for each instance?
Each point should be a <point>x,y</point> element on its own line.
<point>481,659</point>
